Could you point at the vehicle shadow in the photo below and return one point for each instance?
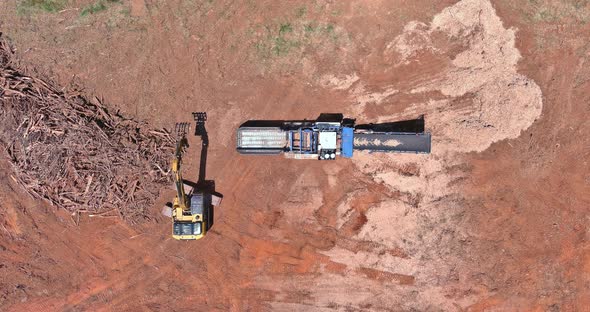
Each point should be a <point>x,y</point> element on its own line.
<point>404,126</point>
<point>207,187</point>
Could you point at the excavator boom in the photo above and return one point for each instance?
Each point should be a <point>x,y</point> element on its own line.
<point>182,143</point>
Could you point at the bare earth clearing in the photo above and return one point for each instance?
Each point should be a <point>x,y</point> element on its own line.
<point>495,219</point>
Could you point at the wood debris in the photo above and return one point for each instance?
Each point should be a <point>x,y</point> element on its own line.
<point>76,153</point>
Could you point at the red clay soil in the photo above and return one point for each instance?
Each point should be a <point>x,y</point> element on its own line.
<point>496,219</point>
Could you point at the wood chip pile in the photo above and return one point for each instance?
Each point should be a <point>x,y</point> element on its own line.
<point>74,152</point>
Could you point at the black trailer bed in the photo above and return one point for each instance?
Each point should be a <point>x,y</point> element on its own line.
<point>393,142</point>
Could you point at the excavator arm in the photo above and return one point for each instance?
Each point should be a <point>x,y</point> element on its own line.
<point>181,200</point>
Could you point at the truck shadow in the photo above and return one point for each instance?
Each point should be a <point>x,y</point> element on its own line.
<point>404,126</point>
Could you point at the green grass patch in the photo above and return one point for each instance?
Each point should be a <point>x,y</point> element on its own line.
<point>289,38</point>
<point>580,4</point>
<point>280,40</point>
<point>282,46</point>
<point>300,12</point>
<point>93,8</point>
<point>285,28</point>
<point>50,6</point>
<point>330,29</point>
<point>565,11</point>
<point>96,7</point>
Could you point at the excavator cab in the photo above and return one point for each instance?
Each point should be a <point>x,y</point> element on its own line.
<point>194,222</point>
<point>187,230</point>
<point>192,208</point>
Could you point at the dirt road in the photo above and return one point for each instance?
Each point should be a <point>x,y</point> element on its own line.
<point>495,219</point>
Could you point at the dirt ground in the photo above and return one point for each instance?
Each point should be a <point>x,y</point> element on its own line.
<point>495,219</point>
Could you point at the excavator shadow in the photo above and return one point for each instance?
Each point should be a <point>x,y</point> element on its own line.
<point>213,198</point>
<point>207,187</point>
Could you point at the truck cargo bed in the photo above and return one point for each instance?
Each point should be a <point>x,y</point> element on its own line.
<point>261,140</point>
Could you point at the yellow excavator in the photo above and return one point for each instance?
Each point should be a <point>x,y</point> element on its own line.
<point>192,208</point>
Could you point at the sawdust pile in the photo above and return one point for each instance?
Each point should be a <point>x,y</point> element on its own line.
<point>502,102</point>
<point>76,154</point>
<point>376,142</point>
<point>427,220</point>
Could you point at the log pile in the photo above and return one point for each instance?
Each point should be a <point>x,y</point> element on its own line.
<point>75,153</point>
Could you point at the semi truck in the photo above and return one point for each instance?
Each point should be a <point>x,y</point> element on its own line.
<point>330,136</point>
